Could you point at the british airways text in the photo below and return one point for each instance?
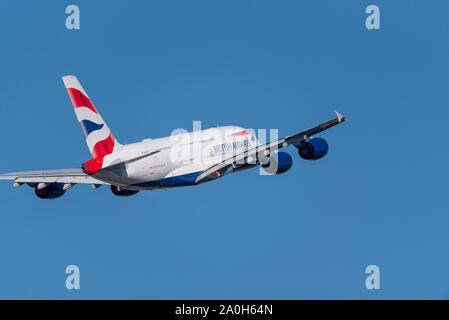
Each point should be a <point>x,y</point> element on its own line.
<point>225,147</point>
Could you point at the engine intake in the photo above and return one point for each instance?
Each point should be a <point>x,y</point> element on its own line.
<point>282,164</point>
<point>52,191</point>
<point>314,149</point>
<point>123,192</point>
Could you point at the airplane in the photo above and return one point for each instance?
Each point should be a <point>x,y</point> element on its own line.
<point>186,159</point>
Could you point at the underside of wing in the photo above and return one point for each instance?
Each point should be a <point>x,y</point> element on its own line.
<point>51,184</point>
<point>298,138</point>
<point>51,176</point>
<point>261,153</point>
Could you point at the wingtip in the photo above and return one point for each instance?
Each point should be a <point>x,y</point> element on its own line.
<point>339,117</point>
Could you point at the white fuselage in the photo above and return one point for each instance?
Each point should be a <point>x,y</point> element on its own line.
<point>175,160</point>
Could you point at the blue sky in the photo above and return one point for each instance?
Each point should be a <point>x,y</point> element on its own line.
<point>379,197</point>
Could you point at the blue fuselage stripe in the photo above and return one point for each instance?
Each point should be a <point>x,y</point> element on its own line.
<point>176,181</point>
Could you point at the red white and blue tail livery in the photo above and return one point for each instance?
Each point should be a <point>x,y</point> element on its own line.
<point>99,138</point>
<point>180,160</point>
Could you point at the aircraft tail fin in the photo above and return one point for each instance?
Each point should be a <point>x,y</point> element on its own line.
<point>99,138</point>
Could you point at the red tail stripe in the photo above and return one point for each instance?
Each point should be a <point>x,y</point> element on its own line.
<point>103,147</point>
<point>80,100</point>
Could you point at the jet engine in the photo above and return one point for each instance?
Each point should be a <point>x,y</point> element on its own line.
<point>314,149</point>
<point>118,191</point>
<point>50,191</point>
<point>279,163</point>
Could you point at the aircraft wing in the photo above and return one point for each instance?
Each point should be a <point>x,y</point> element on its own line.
<point>264,150</point>
<point>72,176</point>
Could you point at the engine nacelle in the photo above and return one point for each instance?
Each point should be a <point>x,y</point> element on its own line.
<point>122,192</point>
<point>278,164</point>
<point>52,191</point>
<point>314,149</point>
